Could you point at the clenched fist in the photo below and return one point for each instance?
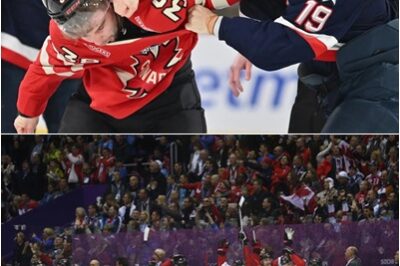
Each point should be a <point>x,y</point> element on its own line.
<point>25,124</point>
<point>125,8</point>
<point>201,20</point>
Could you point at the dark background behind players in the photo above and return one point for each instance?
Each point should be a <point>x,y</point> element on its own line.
<point>24,27</point>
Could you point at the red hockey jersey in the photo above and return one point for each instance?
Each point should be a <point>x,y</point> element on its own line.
<point>296,259</point>
<point>120,77</point>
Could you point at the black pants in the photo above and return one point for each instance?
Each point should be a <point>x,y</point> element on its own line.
<point>176,110</point>
<point>307,115</point>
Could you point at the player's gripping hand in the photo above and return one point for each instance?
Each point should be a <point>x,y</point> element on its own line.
<point>25,124</point>
<point>201,20</point>
<point>125,8</point>
<point>238,64</point>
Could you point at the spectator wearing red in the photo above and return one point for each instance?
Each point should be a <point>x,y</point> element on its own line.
<point>74,161</point>
<point>236,190</point>
<point>280,173</point>
<point>39,257</point>
<point>220,188</point>
<point>362,194</point>
<point>208,214</point>
<point>234,169</point>
<point>27,204</point>
<point>103,165</point>
<point>259,168</point>
<point>324,163</point>
<point>200,189</point>
<point>376,157</point>
<point>278,153</point>
<point>374,178</point>
<point>303,151</point>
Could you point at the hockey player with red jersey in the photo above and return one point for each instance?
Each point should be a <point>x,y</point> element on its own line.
<point>253,256</point>
<point>136,70</point>
<point>221,252</point>
<point>266,258</point>
<point>289,257</point>
<point>222,259</point>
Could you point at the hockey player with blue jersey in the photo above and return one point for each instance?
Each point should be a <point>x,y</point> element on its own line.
<point>348,55</point>
<point>21,38</point>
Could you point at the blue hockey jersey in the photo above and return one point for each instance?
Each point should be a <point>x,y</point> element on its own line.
<point>22,35</point>
<point>308,30</point>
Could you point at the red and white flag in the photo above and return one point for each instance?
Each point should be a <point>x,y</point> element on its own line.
<point>302,198</point>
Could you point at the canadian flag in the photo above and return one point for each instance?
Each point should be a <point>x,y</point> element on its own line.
<point>302,198</point>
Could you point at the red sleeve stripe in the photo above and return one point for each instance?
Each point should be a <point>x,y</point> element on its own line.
<point>14,58</point>
<point>319,43</point>
<point>24,52</point>
<point>328,56</point>
<point>322,53</point>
